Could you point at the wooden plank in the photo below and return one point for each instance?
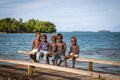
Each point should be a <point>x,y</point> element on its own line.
<point>70,70</point>
<point>98,61</point>
<point>83,59</point>
<point>43,66</point>
<point>24,52</point>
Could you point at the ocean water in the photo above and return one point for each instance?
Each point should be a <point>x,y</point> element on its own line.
<point>93,45</point>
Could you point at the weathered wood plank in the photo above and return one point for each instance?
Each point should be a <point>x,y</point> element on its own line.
<point>98,61</point>
<point>43,66</point>
<point>71,70</point>
<point>83,59</point>
<point>24,52</point>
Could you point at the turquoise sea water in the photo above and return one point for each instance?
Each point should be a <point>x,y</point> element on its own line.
<point>93,45</point>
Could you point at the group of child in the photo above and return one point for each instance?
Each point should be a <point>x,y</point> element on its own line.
<point>55,49</point>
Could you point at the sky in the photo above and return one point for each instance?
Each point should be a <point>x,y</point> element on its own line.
<point>67,15</point>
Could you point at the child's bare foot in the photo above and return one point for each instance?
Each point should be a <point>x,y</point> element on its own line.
<point>47,62</point>
<point>60,62</point>
<point>53,62</point>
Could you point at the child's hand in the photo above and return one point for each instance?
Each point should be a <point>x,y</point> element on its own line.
<point>68,55</point>
<point>51,53</point>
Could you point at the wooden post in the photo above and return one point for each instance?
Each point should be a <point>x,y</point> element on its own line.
<point>90,66</point>
<point>30,70</point>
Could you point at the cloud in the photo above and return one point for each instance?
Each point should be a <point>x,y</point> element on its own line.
<point>64,13</point>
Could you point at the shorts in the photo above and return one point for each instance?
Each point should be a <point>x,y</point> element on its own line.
<point>58,56</point>
<point>75,55</point>
<point>52,55</point>
<point>34,51</point>
<point>41,54</point>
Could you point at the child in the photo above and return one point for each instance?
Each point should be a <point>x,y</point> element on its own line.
<point>52,49</point>
<point>35,45</point>
<point>43,48</point>
<point>61,48</point>
<point>73,53</point>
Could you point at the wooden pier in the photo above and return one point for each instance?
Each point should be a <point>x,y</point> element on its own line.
<point>31,67</point>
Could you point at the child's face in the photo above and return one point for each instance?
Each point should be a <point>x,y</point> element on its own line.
<point>53,40</point>
<point>73,41</point>
<point>44,39</point>
<point>59,39</point>
<point>37,37</point>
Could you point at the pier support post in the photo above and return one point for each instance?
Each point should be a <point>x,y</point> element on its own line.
<point>90,66</point>
<point>31,71</point>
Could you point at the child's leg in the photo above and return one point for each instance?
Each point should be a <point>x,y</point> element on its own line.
<point>55,61</point>
<point>65,60</point>
<point>53,58</point>
<point>47,58</point>
<point>37,56</point>
<point>33,58</point>
<point>61,57</point>
<point>73,61</point>
<point>32,55</point>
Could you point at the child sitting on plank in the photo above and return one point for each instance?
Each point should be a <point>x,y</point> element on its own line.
<point>61,48</point>
<point>35,45</point>
<point>73,53</point>
<point>43,48</point>
<point>52,49</point>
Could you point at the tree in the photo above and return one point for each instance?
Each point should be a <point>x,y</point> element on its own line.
<point>11,25</point>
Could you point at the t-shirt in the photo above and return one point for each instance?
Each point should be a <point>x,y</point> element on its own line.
<point>43,46</point>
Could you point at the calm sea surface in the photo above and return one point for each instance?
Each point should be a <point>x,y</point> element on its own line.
<point>93,45</point>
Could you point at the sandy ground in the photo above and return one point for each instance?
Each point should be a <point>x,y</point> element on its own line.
<point>19,72</point>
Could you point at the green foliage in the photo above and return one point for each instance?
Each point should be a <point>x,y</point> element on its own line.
<point>11,25</point>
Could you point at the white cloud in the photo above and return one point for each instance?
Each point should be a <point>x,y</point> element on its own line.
<point>64,13</point>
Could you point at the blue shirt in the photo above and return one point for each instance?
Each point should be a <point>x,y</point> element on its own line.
<point>43,46</point>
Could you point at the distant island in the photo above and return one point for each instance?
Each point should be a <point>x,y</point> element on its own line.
<point>82,31</point>
<point>11,25</point>
<point>93,31</point>
<point>103,31</point>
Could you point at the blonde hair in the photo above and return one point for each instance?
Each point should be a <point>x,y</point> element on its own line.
<point>53,37</point>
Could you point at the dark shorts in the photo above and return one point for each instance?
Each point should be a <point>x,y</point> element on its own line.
<point>58,56</point>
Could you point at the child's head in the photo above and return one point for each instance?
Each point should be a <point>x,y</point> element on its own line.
<point>37,36</point>
<point>73,40</point>
<point>59,37</point>
<point>53,38</point>
<point>44,37</point>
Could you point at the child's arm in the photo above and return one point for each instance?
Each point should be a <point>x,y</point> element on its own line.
<point>70,49</point>
<point>33,44</point>
<point>39,47</point>
<point>48,46</point>
<point>54,49</point>
<point>64,48</point>
<point>77,50</point>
